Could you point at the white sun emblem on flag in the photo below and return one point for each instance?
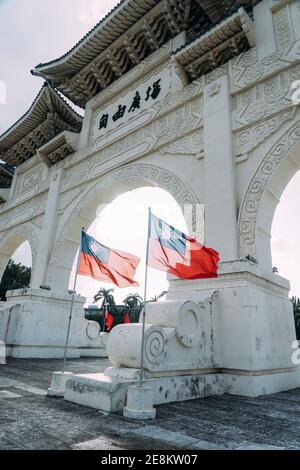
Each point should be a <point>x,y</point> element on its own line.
<point>166,233</point>
<point>94,247</point>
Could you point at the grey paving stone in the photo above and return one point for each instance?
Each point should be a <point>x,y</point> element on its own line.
<point>205,445</point>
<point>9,394</point>
<point>97,444</point>
<point>33,390</point>
<point>5,444</point>
<point>5,382</point>
<point>256,446</point>
<point>168,437</point>
<point>35,421</point>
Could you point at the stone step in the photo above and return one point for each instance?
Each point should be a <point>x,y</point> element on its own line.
<point>109,394</point>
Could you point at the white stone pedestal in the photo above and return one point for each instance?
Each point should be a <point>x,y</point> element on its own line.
<point>140,403</point>
<point>108,391</point>
<point>34,323</point>
<point>58,382</point>
<point>232,334</point>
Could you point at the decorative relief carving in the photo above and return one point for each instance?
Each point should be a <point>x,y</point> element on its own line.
<point>67,198</point>
<point>283,27</point>
<point>152,135</point>
<point>248,139</point>
<point>178,114</point>
<point>31,179</point>
<point>259,183</point>
<point>189,145</point>
<point>214,89</point>
<point>179,122</point>
<point>267,98</point>
<point>14,215</point>
<point>247,69</point>
<point>217,73</point>
<point>161,177</point>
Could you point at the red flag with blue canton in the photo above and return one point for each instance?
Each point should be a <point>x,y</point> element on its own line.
<point>172,251</point>
<point>106,264</point>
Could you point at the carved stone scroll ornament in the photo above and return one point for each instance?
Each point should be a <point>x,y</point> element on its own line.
<point>247,69</point>
<point>175,337</point>
<point>188,145</point>
<point>248,139</point>
<point>259,183</point>
<point>265,99</point>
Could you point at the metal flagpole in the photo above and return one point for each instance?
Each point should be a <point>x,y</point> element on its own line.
<point>71,307</point>
<point>145,296</point>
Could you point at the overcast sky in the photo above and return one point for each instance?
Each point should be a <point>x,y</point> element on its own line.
<point>35,31</point>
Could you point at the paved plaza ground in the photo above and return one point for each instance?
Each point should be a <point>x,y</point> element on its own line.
<point>31,420</point>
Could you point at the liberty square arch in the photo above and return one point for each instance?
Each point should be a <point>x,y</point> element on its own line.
<point>188,97</point>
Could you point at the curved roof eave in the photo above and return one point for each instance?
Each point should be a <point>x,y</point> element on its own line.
<point>115,20</point>
<point>28,120</point>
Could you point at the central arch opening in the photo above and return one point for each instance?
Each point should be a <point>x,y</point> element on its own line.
<point>122,224</point>
<point>286,243</point>
<point>286,235</point>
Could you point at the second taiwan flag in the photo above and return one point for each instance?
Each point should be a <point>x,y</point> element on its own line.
<point>106,264</point>
<point>172,251</point>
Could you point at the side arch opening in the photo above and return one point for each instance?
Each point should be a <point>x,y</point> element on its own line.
<point>15,265</point>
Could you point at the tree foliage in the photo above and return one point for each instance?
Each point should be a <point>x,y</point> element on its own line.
<point>106,296</point>
<point>16,276</point>
<point>132,305</point>
<point>159,296</point>
<point>133,300</point>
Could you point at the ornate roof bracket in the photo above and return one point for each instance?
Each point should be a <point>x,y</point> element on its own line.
<point>150,36</point>
<point>187,13</point>
<point>132,53</point>
<point>6,175</point>
<point>163,21</point>
<point>130,33</point>
<point>4,195</point>
<point>174,16</point>
<point>212,9</point>
<point>209,51</point>
<point>60,147</point>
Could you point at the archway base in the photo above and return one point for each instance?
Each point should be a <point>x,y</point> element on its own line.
<point>108,393</point>
<point>33,324</point>
<point>235,334</point>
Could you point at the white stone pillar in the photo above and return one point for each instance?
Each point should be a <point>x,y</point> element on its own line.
<point>4,258</point>
<point>48,230</point>
<point>219,171</point>
<point>264,28</point>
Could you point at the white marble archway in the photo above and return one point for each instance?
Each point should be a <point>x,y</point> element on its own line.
<point>263,194</point>
<point>103,191</point>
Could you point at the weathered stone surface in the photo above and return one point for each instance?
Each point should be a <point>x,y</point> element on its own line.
<point>38,422</point>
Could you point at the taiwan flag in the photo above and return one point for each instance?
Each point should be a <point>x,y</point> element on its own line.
<point>106,264</point>
<point>172,251</point>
